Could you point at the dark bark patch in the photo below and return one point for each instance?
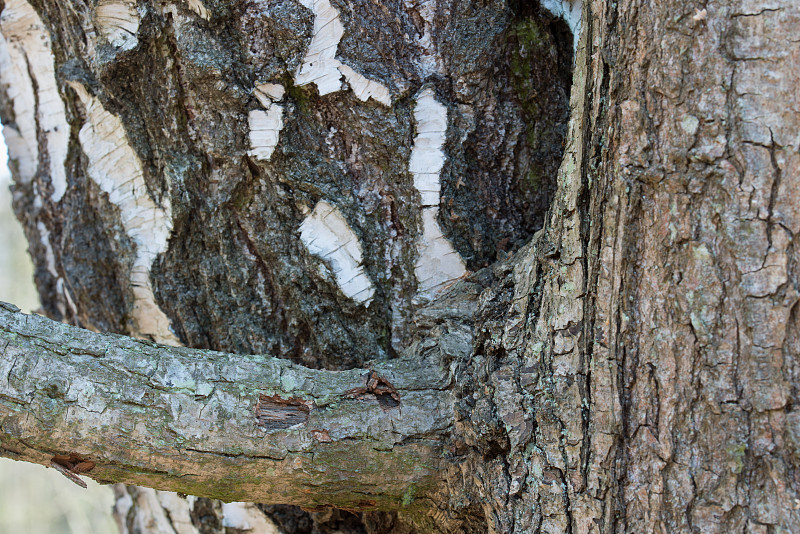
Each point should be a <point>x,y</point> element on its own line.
<point>511,72</point>
<point>320,520</point>
<point>274,36</point>
<point>276,413</point>
<point>377,42</point>
<point>207,516</point>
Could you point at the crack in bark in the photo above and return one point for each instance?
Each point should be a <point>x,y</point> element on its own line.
<point>776,184</point>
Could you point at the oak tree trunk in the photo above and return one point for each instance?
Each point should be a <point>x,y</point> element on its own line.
<point>552,244</point>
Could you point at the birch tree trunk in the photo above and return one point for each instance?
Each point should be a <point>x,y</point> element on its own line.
<point>571,226</point>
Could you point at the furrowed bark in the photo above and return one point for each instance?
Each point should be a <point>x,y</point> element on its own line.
<point>696,215</point>
<point>220,425</point>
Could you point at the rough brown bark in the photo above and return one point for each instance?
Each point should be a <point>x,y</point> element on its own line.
<point>704,201</point>
<point>632,368</point>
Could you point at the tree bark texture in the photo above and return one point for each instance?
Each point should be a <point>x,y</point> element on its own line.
<point>696,268</point>
<point>247,427</point>
<point>343,182</point>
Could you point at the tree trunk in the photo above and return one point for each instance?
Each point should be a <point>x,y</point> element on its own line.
<point>571,227</point>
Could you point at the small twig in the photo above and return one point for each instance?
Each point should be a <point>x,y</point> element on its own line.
<point>69,474</point>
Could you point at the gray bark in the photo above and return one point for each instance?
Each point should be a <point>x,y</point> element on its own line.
<point>624,362</point>
<point>229,426</point>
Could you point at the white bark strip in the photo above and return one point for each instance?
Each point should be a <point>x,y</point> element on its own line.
<point>325,233</point>
<point>26,62</point>
<point>122,505</point>
<point>151,517</point>
<point>320,65</point>
<point>438,263</point>
<point>118,22</point>
<point>15,81</point>
<point>26,49</point>
<point>50,262</point>
<point>267,93</point>
<point>364,88</point>
<point>50,258</point>
<point>200,9</point>
<point>116,169</point>
<point>266,126</point>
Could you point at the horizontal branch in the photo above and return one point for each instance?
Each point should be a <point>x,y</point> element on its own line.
<point>235,427</point>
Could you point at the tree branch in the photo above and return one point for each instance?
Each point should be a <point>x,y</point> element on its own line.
<point>230,426</point>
